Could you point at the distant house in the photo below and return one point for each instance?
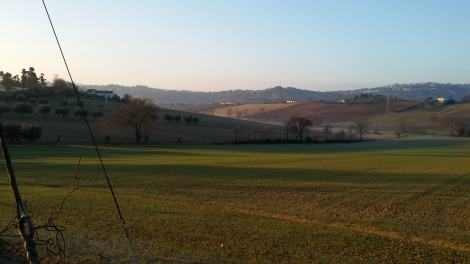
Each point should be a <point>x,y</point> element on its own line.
<point>99,93</point>
<point>440,99</point>
<point>290,101</point>
<point>342,101</point>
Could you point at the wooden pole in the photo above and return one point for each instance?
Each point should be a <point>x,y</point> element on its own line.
<point>26,233</point>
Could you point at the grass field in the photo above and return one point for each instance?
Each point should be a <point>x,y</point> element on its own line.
<point>392,201</point>
<point>73,130</point>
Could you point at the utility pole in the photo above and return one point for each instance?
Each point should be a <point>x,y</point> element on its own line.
<point>388,105</point>
<point>25,224</point>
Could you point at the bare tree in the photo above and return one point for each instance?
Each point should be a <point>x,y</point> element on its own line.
<point>341,135</point>
<point>254,113</point>
<point>106,126</point>
<point>351,132</point>
<point>402,121</point>
<point>261,111</point>
<point>255,128</point>
<point>238,113</point>
<point>299,125</point>
<point>245,111</point>
<point>362,123</point>
<point>265,130</point>
<point>287,128</point>
<point>229,112</point>
<point>327,129</point>
<point>149,128</point>
<point>58,83</point>
<point>466,98</point>
<point>236,130</point>
<point>137,113</point>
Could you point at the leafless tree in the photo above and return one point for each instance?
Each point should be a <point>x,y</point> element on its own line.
<point>238,113</point>
<point>362,123</point>
<point>255,128</point>
<point>254,114</point>
<point>137,113</point>
<point>299,125</point>
<point>229,112</point>
<point>265,130</point>
<point>287,128</point>
<point>245,111</point>
<point>149,128</point>
<point>341,134</point>
<point>106,126</point>
<point>350,131</point>
<point>466,98</point>
<point>402,121</point>
<point>236,130</point>
<point>58,83</point>
<point>327,129</point>
<point>261,111</point>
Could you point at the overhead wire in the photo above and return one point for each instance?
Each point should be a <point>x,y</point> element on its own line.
<point>123,223</point>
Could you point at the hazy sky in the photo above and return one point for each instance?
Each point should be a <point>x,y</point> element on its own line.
<point>234,44</point>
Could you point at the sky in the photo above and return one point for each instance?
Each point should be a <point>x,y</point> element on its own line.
<point>203,45</point>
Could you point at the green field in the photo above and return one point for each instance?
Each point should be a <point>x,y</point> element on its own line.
<point>404,200</point>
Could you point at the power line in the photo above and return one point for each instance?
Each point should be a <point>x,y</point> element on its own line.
<point>123,223</point>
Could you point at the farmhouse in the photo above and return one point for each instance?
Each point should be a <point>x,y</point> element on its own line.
<point>99,93</point>
<point>440,99</point>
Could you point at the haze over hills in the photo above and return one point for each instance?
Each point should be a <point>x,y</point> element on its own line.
<point>413,91</point>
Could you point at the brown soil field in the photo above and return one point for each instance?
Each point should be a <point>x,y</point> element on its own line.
<point>333,113</point>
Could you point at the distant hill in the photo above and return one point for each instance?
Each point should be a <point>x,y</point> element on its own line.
<point>415,91</point>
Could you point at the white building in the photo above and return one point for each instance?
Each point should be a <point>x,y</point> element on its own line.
<point>98,93</point>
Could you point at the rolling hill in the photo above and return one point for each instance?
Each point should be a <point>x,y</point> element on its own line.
<point>414,91</point>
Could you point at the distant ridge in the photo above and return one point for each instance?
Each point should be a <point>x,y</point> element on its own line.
<point>412,91</point>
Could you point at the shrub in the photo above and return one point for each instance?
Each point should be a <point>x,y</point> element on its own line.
<point>4,108</point>
<point>62,111</point>
<point>167,117</point>
<point>22,108</point>
<point>32,100</point>
<point>177,118</point>
<point>44,109</point>
<point>195,119</point>
<point>12,131</point>
<point>97,114</point>
<point>20,98</point>
<point>64,103</point>
<point>43,101</point>
<point>78,112</point>
<point>188,118</point>
<point>7,97</point>
<point>31,132</point>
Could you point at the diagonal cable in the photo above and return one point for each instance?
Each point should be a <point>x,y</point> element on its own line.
<point>123,223</point>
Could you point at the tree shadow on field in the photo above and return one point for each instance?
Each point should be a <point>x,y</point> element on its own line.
<point>230,178</point>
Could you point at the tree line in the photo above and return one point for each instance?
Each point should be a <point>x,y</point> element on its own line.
<point>139,114</point>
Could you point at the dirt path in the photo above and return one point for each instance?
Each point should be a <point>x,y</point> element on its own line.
<point>439,243</point>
